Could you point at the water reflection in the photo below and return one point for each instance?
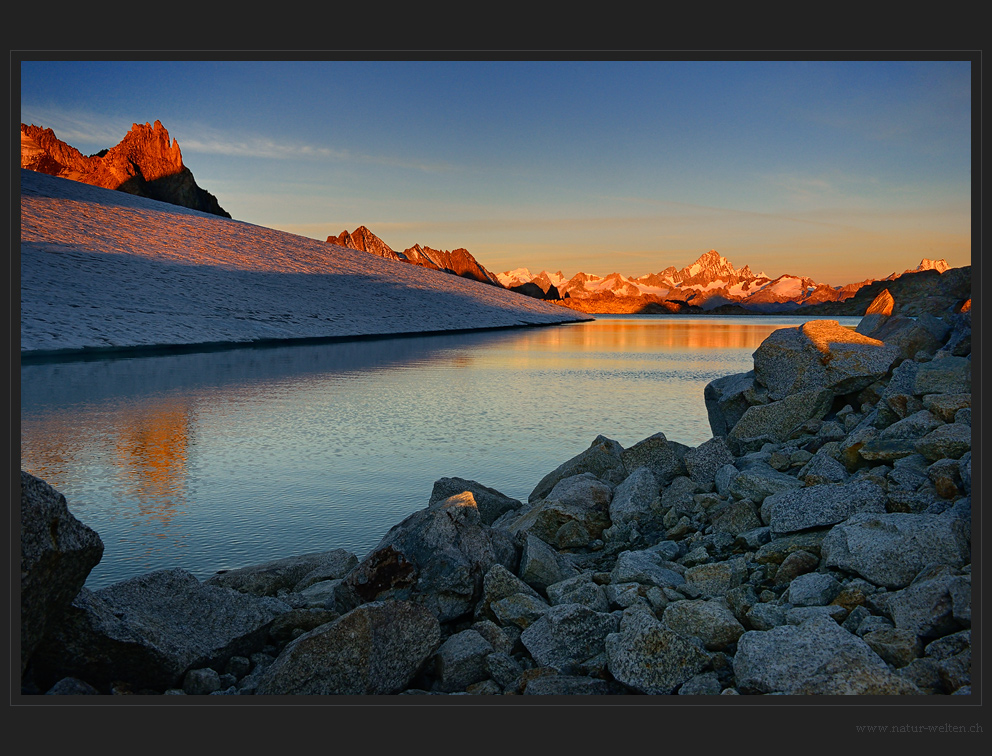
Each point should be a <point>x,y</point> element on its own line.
<point>217,460</point>
<point>151,457</point>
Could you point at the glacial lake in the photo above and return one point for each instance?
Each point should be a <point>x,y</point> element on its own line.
<point>223,459</point>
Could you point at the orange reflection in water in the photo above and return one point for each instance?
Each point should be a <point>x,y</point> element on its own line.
<point>628,336</point>
<point>636,337</point>
<point>151,453</point>
<point>145,447</point>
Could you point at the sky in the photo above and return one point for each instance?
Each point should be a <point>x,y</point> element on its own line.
<point>836,170</point>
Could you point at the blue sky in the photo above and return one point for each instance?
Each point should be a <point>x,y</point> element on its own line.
<point>837,170</point>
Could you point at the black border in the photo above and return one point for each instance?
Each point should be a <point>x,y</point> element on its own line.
<point>561,721</point>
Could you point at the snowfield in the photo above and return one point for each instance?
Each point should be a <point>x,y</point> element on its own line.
<point>106,269</point>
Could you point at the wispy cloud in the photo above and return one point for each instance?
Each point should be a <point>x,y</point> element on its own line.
<point>76,127</point>
<point>266,148</point>
<point>81,127</point>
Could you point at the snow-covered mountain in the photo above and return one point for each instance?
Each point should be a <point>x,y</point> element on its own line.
<point>710,282</point>
<point>544,279</point>
<point>925,264</point>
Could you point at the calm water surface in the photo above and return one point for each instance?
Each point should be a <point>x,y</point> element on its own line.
<point>224,459</point>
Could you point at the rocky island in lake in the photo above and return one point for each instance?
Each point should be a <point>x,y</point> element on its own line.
<point>818,544</point>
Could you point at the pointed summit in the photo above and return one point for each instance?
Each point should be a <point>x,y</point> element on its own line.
<point>145,163</point>
<point>938,265</point>
<point>459,262</point>
<point>364,240</point>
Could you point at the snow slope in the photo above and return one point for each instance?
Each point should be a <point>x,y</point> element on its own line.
<point>101,268</point>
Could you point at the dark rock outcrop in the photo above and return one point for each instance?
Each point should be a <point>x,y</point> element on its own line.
<point>57,554</point>
<point>150,630</point>
<point>437,556</point>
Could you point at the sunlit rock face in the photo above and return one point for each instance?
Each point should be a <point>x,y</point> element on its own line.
<point>459,262</point>
<point>364,240</point>
<point>145,163</point>
<point>877,313</point>
<point>820,354</point>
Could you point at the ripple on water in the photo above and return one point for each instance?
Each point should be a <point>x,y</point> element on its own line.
<point>217,460</point>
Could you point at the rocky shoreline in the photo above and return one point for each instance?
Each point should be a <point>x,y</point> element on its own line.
<point>819,543</point>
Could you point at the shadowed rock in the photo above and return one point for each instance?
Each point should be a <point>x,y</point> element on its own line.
<point>949,375</point>
<point>602,459</point>
<point>710,621</point>
<point>781,660</point>
<point>568,634</point>
<point>889,549</point>
<point>817,506</point>
<point>727,399</point>
<point>57,554</point>
<point>574,513</point>
<point>150,630</point>
<point>848,674</point>
<point>461,661</point>
<point>491,503</point>
<point>703,462</point>
<point>291,573</point>
<point>664,458</point>
<point>776,421</point>
<point>437,556</point>
<point>931,606</point>
<point>637,499</point>
<point>541,565</point>
<point>376,649</point>
<point>652,659</point>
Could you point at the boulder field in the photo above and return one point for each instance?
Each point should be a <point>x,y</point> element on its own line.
<point>818,544</point>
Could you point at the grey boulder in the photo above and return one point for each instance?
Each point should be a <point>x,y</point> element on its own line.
<point>781,660</point>
<point>664,458</point>
<point>602,459</point>
<point>376,649</point>
<point>890,549</point>
<point>777,420</point>
<point>822,505</point>
<point>292,573</point>
<point>652,659</point>
<point>437,556</point>
<point>150,630</point>
<point>820,354</point>
<point>491,503</point>
<point>568,634</point>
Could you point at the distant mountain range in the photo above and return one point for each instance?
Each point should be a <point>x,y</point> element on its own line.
<point>144,164</point>
<point>147,164</point>
<point>711,284</point>
<point>459,262</point>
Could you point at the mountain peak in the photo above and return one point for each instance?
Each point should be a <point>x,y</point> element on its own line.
<point>938,265</point>
<point>364,240</point>
<point>145,163</point>
<point>459,262</point>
